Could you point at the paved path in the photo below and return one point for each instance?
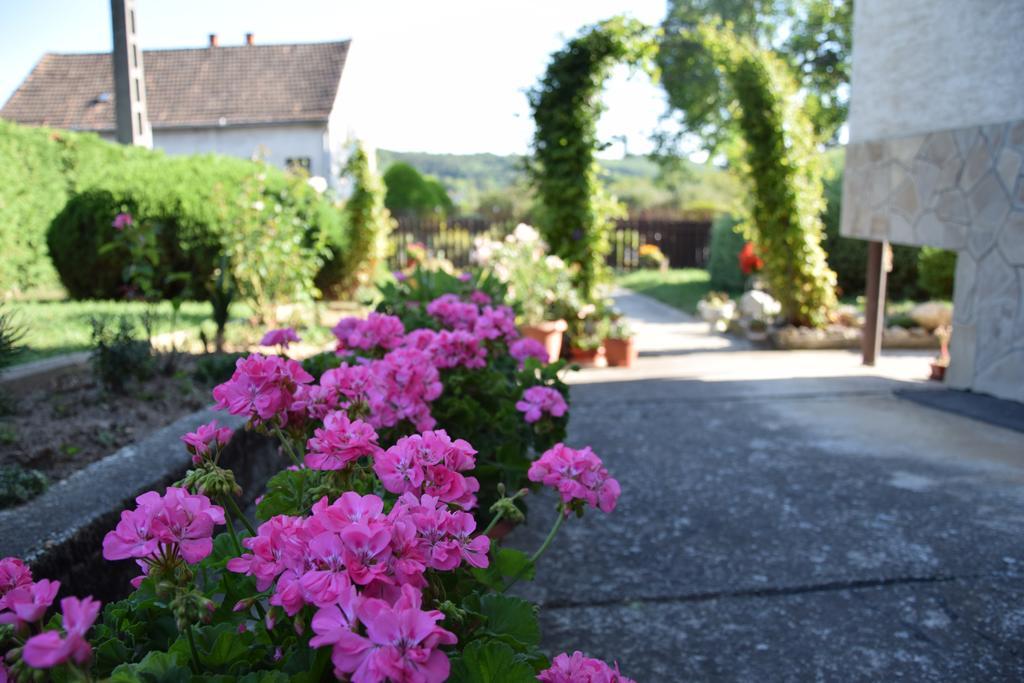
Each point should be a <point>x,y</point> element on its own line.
<point>784,517</point>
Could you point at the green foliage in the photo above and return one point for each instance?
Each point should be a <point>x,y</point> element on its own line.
<point>814,37</point>
<point>119,355</point>
<point>936,271</point>
<point>574,211</point>
<point>274,252</point>
<point>491,662</point>
<point>19,484</point>
<point>723,264</point>
<point>60,191</point>
<point>782,167</point>
<point>11,337</point>
<point>409,192</point>
<point>369,224</point>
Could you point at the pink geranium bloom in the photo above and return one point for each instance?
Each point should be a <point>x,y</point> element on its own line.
<point>578,668</point>
<point>456,348</point>
<point>339,442</point>
<point>261,388</point>
<point>122,221</point>
<point>479,298</point>
<point>205,436</point>
<point>496,322</point>
<point>537,401</point>
<point>377,331</point>
<point>329,577</point>
<point>49,649</point>
<point>27,603</point>
<point>13,574</point>
<point>429,463</point>
<point>401,643</point>
<point>576,475</point>
<point>524,348</point>
<point>453,313</point>
<point>281,337</point>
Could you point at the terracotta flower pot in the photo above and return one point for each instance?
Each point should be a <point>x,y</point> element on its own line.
<point>589,357</point>
<point>621,353</point>
<point>548,333</point>
<point>938,371</point>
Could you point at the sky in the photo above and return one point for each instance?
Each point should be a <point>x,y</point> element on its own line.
<point>443,76</point>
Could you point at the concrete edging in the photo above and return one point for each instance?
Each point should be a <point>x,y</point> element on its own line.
<point>60,533</point>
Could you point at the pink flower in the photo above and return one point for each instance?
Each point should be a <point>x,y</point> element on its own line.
<point>378,331</point>
<point>524,348</point>
<point>496,323</point>
<point>539,400</point>
<point>27,603</point>
<point>576,475</point>
<point>339,442</point>
<point>403,384</point>
<point>205,436</point>
<point>479,298</point>
<point>261,388</point>
<point>401,643</point>
<point>178,519</point>
<point>13,574</point>
<point>458,348</point>
<point>49,649</point>
<point>453,313</point>
<point>429,463</point>
<point>580,669</point>
<point>465,277</point>
<point>122,221</point>
<point>282,337</point>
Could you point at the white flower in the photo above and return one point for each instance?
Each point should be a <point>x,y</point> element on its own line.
<point>525,233</point>
<point>318,183</point>
<point>554,263</point>
<point>258,205</point>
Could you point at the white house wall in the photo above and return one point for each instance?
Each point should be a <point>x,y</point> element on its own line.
<point>936,157</point>
<point>275,144</point>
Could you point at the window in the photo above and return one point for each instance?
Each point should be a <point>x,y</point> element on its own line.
<point>293,163</point>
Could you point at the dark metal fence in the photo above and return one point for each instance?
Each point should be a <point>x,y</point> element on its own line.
<point>685,242</point>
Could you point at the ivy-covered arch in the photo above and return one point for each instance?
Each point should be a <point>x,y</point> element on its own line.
<point>574,211</point>
<point>778,158</point>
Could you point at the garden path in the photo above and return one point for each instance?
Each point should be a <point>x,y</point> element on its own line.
<point>784,516</point>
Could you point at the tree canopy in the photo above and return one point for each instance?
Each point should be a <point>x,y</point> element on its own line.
<point>410,192</point>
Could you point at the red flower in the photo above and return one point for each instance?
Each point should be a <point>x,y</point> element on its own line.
<point>749,261</point>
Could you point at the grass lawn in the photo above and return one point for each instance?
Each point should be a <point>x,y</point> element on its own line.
<point>680,288</point>
<point>55,327</point>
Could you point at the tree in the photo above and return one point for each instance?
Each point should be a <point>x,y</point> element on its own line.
<point>410,192</point>
<point>814,36</point>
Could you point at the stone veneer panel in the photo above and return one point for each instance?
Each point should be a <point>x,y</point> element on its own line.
<point>961,190</point>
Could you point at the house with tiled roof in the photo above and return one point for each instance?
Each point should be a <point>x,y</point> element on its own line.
<point>286,104</point>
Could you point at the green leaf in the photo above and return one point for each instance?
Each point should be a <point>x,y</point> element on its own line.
<point>513,617</point>
<point>506,563</point>
<point>156,667</point>
<point>490,662</point>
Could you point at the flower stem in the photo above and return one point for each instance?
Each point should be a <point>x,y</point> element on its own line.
<point>540,550</point>
<point>494,522</point>
<point>192,649</point>
<point>234,536</point>
<point>286,443</point>
<point>238,513</point>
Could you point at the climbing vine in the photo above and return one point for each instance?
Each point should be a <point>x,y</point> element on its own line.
<point>575,212</point>
<point>778,159</point>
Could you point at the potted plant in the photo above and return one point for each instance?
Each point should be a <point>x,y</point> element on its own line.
<point>619,346</point>
<point>717,309</point>
<point>539,285</point>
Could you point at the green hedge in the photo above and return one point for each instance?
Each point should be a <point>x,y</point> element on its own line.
<point>936,269</point>
<point>723,263</point>
<point>60,190</point>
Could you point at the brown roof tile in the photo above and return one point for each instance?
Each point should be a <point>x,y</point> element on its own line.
<point>187,88</point>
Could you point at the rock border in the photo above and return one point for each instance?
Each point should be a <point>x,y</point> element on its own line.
<point>60,533</point>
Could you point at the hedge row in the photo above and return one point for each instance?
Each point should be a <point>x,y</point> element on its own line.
<point>59,192</point>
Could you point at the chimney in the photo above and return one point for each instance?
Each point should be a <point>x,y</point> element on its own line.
<point>129,78</point>
<point>213,40</point>
<point>250,39</point>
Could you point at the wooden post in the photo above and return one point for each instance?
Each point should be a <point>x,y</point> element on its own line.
<point>879,264</point>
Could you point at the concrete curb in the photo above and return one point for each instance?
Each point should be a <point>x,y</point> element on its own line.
<point>60,533</point>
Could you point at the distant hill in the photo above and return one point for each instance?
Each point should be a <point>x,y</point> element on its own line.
<point>634,179</point>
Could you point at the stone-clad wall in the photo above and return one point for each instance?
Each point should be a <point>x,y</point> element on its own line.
<point>961,190</point>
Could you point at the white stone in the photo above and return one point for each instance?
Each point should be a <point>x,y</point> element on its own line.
<point>932,314</point>
<point>1011,239</point>
<point>759,305</point>
<point>963,289</point>
<point>960,373</point>
<point>1003,377</point>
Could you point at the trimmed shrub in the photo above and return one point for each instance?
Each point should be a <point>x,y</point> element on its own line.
<point>723,263</point>
<point>936,270</point>
<point>59,192</point>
